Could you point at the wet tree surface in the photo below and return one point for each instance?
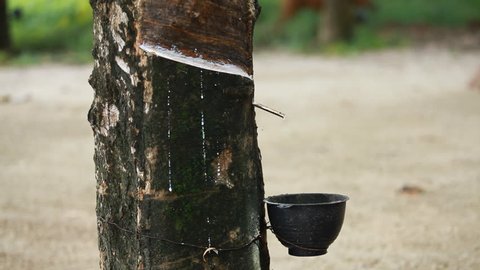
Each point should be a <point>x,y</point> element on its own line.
<point>177,163</point>
<point>217,31</point>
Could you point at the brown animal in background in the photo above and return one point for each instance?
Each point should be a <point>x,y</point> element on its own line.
<point>475,82</point>
<point>291,7</point>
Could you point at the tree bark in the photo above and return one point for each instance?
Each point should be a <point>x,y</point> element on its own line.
<point>4,27</point>
<point>337,24</point>
<point>177,163</point>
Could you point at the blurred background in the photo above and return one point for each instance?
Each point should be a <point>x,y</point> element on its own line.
<point>386,110</point>
<point>379,24</point>
<point>48,30</point>
<point>61,30</point>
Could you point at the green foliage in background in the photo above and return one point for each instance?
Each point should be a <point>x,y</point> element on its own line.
<point>301,32</point>
<point>297,33</point>
<point>62,29</point>
<point>53,29</point>
<point>434,12</point>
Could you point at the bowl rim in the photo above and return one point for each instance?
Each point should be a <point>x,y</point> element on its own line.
<point>342,199</point>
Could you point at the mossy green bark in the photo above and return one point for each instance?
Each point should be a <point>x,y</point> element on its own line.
<point>176,157</point>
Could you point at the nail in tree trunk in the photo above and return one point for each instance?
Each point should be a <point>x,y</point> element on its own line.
<point>337,22</point>
<point>179,181</point>
<point>4,27</point>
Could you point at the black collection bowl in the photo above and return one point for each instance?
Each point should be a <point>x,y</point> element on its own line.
<point>306,223</point>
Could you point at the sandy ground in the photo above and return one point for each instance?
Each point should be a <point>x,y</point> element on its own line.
<point>364,126</point>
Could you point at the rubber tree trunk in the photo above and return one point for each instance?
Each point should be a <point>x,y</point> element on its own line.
<point>4,27</point>
<point>179,180</point>
<point>338,21</point>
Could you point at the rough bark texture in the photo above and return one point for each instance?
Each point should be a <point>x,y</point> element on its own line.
<point>338,21</point>
<point>217,31</point>
<point>176,156</point>
<point>4,27</point>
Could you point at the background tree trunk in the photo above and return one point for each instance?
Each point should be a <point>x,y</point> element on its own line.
<point>176,154</point>
<point>4,27</point>
<point>337,22</point>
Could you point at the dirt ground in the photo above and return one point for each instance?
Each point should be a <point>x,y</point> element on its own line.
<point>397,131</point>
